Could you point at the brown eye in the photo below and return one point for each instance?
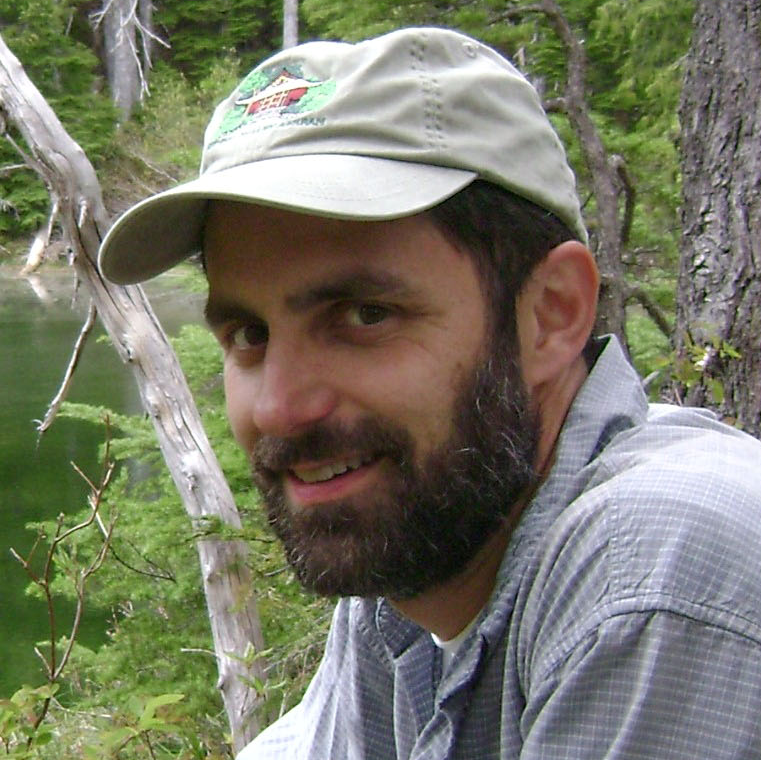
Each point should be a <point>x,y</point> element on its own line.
<point>249,336</point>
<point>364,315</point>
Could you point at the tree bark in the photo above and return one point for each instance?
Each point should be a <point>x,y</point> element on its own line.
<point>290,23</point>
<point>145,19</point>
<point>119,24</point>
<point>719,290</point>
<point>141,343</point>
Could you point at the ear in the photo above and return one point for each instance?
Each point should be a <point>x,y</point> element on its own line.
<point>556,311</point>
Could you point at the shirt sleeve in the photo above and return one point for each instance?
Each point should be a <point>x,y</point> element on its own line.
<point>650,685</point>
<point>352,684</point>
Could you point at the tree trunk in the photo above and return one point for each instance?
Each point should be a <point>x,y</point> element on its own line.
<point>145,19</point>
<point>119,23</point>
<point>290,23</point>
<point>719,291</point>
<point>140,341</point>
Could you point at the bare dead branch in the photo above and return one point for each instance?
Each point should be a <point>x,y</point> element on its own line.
<point>151,35</point>
<point>96,17</point>
<point>290,23</point>
<point>153,167</point>
<point>76,355</point>
<point>36,254</point>
<point>45,664</point>
<point>131,21</point>
<point>10,168</point>
<point>29,162</point>
<point>140,342</point>
<point>190,650</point>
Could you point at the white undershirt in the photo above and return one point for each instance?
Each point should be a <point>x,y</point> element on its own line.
<point>450,646</point>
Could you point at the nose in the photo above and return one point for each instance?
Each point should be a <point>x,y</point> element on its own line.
<point>291,390</point>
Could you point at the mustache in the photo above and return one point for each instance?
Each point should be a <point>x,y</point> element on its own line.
<point>366,438</point>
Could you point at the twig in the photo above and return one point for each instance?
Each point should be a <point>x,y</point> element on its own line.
<point>158,573</point>
<point>54,666</point>
<point>32,163</point>
<point>12,168</point>
<point>190,650</point>
<point>156,169</point>
<point>55,404</point>
<point>654,311</point>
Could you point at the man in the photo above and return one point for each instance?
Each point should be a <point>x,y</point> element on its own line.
<point>532,561</point>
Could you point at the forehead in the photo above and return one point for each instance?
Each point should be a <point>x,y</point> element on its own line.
<point>254,249</point>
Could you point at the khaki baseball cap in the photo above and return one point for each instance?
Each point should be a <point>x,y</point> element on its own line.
<point>376,130</point>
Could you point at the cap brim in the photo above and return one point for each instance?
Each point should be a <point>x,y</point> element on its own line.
<point>163,230</point>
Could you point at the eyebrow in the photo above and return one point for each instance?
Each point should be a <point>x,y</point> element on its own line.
<point>363,283</point>
<point>218,313</point>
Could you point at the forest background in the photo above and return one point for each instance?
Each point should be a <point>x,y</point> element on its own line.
<point>148,691</point>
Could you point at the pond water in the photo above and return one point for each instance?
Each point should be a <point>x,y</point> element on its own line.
<point>38,328</point>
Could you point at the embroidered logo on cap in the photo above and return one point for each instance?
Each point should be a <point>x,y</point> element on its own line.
<point>273,97</point>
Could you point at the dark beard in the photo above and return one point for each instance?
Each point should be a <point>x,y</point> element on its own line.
<point>431,519</point>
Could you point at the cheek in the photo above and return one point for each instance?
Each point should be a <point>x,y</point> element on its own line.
<point>419,395</point>
<point>238,411</point>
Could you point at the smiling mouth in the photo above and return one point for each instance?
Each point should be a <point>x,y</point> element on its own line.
<point>325,472</point>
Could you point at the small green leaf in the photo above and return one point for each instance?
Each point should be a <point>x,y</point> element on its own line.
<point>728,350</point>
<point>149,712</point>
<point>717,390</point>
<point>114,738</point>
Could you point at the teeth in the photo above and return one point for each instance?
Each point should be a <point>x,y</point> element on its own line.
<point>327,471</point>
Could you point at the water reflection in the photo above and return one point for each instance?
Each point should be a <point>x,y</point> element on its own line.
<point>38,327</point>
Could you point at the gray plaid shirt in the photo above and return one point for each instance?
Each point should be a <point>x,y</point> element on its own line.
<point>626,620</point>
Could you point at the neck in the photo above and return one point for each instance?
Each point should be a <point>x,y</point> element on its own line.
<point>553,400</point>
<point>447,608</point>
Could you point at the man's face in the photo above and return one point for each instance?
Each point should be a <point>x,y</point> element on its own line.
<point>387,431</point>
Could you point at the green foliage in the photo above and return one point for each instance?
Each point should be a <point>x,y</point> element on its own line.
<point>169,127</point>
<point>650,349</point>
<point>633,84</point>
<point>33,722</point>
<point>20,734</point>
<point>634,53</point>
<point>123,697</point>
<point>24,200</point>
<point>354,21</point>
<point>645,42</point>
<point>65,71</point>
<point>203,32</point>
<point>698,365</point>
<point>149,728</point>
<point>144,721</point>
<point>161,145</point>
